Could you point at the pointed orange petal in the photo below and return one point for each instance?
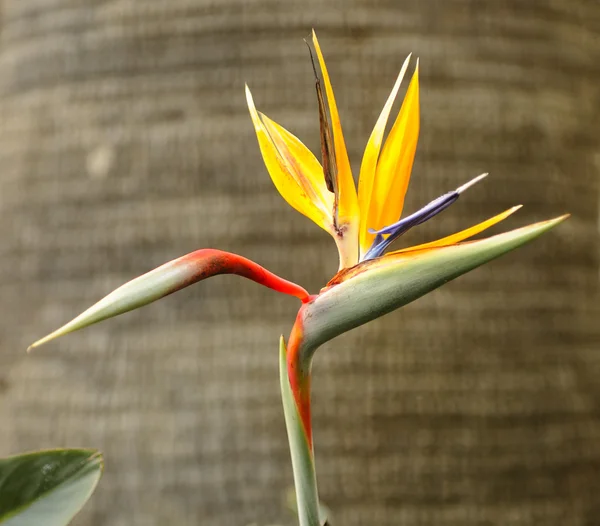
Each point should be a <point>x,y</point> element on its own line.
<point>348,203</point>
<point>395,164</point>
<point>301,164</point>
<point>368,167</point>
<point>463,234</point>
<point>284,181</point>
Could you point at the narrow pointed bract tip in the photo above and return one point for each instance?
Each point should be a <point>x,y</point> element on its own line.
<point>68,328</point>
<point>472,182</point>
<point>34,345</point>
<point>559,219</point>
<point>45,339</point>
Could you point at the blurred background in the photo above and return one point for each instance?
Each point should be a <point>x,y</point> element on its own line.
<point>125,141</point>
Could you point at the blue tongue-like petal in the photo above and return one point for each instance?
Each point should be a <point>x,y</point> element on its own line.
<point>395,230</point>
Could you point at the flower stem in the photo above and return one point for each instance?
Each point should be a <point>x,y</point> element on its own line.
<point>301,451</point>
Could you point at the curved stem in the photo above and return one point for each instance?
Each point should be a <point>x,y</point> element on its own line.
<point>301,451</point>
<point>298,373</point>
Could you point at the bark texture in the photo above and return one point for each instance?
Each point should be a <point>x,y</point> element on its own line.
<point>125,141</point>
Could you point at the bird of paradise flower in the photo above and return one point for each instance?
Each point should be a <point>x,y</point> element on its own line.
<point>370,282</point>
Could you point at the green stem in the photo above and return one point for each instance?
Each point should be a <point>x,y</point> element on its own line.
<point>303,465</point>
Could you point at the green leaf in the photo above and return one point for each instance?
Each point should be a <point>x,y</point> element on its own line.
<point>302,455</point>
<point>47,488</point>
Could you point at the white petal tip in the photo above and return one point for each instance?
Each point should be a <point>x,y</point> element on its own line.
<point>468,185</point>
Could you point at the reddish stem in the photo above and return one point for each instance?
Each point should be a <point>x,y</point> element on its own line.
<point>299,377</point>
<point>211,262</point>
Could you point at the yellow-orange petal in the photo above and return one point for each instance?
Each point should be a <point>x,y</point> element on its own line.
<point>301,164</point>
<point>368,167</point>
<point>457,237</point>
<point>284,180</point>
<point>395,163</point>
<point>348,202</point>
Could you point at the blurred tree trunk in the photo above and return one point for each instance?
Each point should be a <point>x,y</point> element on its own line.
<point>125,142</point>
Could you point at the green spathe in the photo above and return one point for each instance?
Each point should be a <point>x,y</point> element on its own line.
<point>387,283</point>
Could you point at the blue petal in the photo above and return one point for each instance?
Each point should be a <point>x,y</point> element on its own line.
<point>395,230</point>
